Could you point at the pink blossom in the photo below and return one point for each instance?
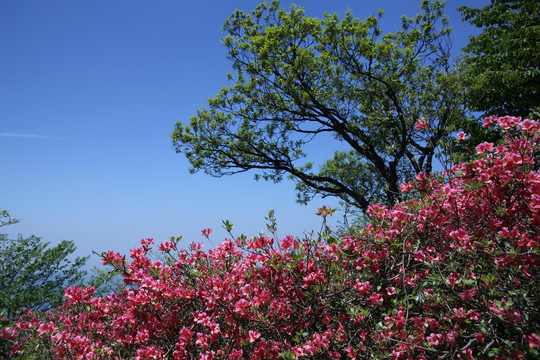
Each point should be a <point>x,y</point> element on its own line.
<point>488,121</point>
<point>46,328</point>
<point>533,339</point>
<point>350,352</point>
<point>253,335</point>
<point>166,246</point>
<point>375,299</point>
<point>453,278</point>
<point>529,125</point>
<point>421,123</point>
<point>480,338</point>
<point>287,242</point>
<point>461,136</point>
<point>467,353</point>
<point>241,305</point>
<point>452,337</point>
<point>202,340</point>
<point>484,147</point>
<point>473,315</point>
<point>421,176</point>
<point>147,241</point>
<point>468,294</point>
<point>362,287</point>
<point>325,211</point>
<point>405,187</point>
<point>206,232</point>
<point>434,339</point>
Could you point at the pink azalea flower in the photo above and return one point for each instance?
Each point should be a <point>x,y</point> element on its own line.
<point>533,339</point>
<point>421,123</point>
<point>206,232</point>
<point>480,338</point>
<point>529,125</point>
<point>375,299</point>
<point>488,121</point>
<point>253,335</point>
<point>325,211</point>
<point>484,147</point>
<point>467,353</point>
<point>405,187</point>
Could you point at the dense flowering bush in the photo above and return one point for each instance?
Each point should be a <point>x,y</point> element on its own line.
<point>451,274</point>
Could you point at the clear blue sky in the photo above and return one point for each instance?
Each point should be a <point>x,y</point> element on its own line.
<point>89,94</point>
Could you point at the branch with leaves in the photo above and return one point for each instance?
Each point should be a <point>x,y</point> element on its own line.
<point>338,83</point>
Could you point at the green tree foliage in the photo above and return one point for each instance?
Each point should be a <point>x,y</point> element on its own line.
<point>502,63</point>
<point>106,281</point>
<point>33,274</point>
<point>299,80</point>
<point>5,218</point>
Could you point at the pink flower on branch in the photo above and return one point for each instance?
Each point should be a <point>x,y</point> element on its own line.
<point>166,246</point>
<point>484,147</point>
<point>488,121</point>
<point>405,187</point>
<point>253,335</point>
<point>533,339</point>
<point>325,211</point>
<point>375,298</point>
<point>206,232</point>
<point>421,124</point>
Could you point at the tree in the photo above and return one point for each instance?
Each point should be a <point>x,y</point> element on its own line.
<point>502,63</point>
<point>387,100</point>
<point>33,274</point>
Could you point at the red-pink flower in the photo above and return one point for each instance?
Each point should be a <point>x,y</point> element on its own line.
<point>350,352</point>
<point>147,241</point>
<point>405,187</point>
<point>241,305</point>
<point>362,287</point>
<point>421,123</point>
<point>529,125</point>
<point>325,211</point>
<point>202,340</point>
<point>467,353</point>
<point>533,339</point>
<point>488,121</point>
<point>421,176</point>
<point>480,338</point>
<point>46,328</point>
<point>435,339</point>
<point>473,315</point>
<point>453,278</point>
<point>375,299</point>
<point>484,147</point>
<point>206,232</point>
<point>166,246</point>
<point>468,294</point>
<point>253,335</point>
<point>287,242</point>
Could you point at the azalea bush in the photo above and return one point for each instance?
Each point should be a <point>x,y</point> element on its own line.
<point>451,273</point>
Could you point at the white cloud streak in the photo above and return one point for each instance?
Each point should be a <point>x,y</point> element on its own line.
<point>27,136</point>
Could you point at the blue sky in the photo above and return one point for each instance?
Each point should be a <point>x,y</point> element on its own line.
<point>89,94</point>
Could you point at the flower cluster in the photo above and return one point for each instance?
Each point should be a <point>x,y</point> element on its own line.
<point>451,274</point>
